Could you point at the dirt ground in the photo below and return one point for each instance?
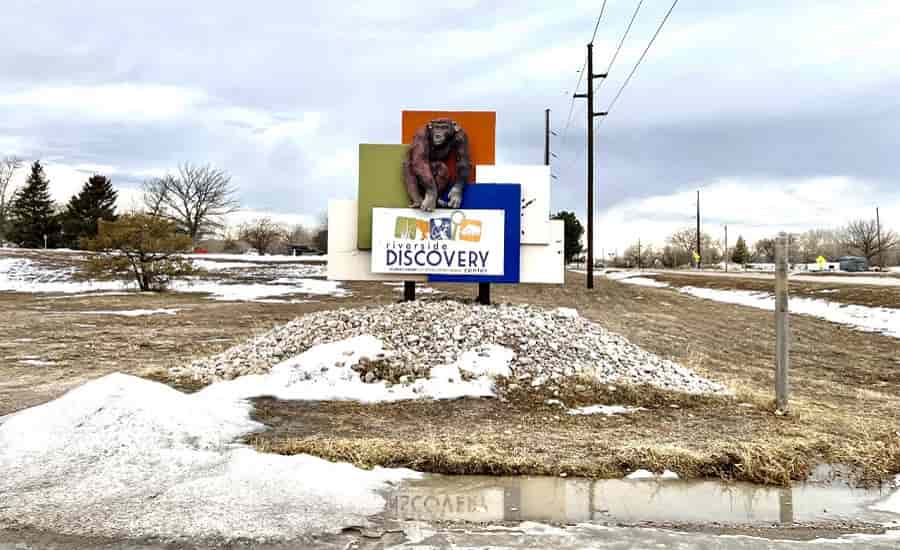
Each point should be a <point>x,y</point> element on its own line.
<point>845,404</point>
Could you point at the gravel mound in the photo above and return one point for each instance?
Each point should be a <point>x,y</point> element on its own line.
<point>548,345</point>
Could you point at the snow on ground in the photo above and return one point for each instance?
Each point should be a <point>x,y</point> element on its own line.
<point>892,502</point>
<point>324,373</point>
<point>134,312</point>
<point>23,275</point>
<point>287,271</point>
<point>648,475</point>
<point>865,318</point>
<point>248,292</point>
<point>122,456</point>
<point>605,410</point>
<point>644,281</point>
<point>255,258</point>
<point>621,275</point>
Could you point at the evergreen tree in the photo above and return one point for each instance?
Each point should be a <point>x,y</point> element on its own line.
<point>95,201</point>
<point>573,231</point>
<point>31,212</point>
<point>740,254</point>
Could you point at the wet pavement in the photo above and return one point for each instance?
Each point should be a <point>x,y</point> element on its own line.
<point>485,499</point>
<point>550,512</point>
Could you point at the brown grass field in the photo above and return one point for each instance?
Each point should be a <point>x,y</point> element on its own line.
<point>845,406</point>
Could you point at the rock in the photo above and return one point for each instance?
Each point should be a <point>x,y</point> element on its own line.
<point>548,345</point>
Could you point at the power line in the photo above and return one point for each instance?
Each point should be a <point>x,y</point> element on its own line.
<point>572,103</point>
<point>580,77</point>
<point>622,41</point>
<point>597,26</point>
<point>644,54</point>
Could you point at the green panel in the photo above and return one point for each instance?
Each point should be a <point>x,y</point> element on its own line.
<point>380,185</point>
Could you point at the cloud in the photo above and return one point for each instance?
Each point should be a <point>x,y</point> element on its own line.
<point>747,92</point>
<point>119,102</point>
<point>752,207</point>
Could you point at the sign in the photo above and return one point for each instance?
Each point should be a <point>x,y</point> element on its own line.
<point>450,242</point>
<point>535,182</point>
<point>492,197</point>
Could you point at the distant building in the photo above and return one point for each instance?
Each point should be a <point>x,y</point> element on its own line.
<point>853,263</point>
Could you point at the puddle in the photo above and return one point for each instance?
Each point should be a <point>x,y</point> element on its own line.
<point>573,500</point>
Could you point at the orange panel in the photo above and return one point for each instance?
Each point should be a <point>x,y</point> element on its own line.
<point>480,126</point>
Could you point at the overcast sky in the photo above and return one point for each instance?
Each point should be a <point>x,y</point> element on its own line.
<point>785,113</point>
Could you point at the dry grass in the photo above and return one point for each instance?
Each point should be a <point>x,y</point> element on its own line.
<point>845,384</point>
<point>844,406</point>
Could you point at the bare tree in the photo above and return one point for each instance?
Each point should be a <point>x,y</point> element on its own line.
<point>301,234</point>
<point>8,167</point>
<point>683,243</point>
<point>861,237</point>
<point>156,191</point>
<point>262,234</point>
<point>196,199</point>
<point>321,233</point>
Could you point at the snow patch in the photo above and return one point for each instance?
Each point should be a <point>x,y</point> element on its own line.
<point>864,318</point>
<point>642,475</point>
<point>606,410</point>
<point>125,457</point>
<point>644,281</point>
<point>324,373</point>
<point>892,502</point>
<point>248,292</point>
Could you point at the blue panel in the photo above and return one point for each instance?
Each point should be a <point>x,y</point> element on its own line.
<point>500,196</point>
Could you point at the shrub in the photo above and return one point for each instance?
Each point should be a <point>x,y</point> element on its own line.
<point>139,247</point>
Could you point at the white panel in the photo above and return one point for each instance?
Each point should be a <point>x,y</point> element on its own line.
<point>535,182</point>
<point>342,225</point>
<point>345,262</point>
<point>544,263</point>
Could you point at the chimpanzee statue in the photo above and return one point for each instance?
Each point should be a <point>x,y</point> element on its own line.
<point>425,169</point>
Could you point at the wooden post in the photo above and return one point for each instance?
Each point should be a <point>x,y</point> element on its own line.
<point>782,325</point>
<point>409,291</point>
<point>484,294</point>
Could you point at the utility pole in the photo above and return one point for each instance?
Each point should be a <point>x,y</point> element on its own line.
<point>639,253</point>
<point>547,137</point>
<point>726,248</point>
<point>880,248</point>
<point>590,159</point>
<point>699,249</point>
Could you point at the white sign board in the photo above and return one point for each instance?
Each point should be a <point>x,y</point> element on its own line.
<point>543,263</point>
<point>345,262</point>
<point>457,242</point>
<point>535,182</point>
